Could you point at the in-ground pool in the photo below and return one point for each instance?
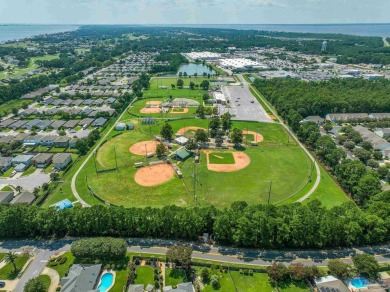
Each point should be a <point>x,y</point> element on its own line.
<point>106,282</point>
<point>359,282</point>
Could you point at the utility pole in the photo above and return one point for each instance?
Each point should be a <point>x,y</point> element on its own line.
<point>269,192</point>
<point>94,160</point>
<point>116,162</point>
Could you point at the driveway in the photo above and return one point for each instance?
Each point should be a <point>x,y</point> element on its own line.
<point>29,182</point>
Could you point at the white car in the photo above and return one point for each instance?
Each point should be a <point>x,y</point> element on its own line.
<point>12,173</point>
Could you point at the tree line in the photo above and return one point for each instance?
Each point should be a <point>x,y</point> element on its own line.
<point>260,226</point>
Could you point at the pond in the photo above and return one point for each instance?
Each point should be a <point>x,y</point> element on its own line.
<point>191,69</point>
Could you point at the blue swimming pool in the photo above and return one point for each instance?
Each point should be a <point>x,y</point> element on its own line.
<point>106,282</point>
<point>359,282</point>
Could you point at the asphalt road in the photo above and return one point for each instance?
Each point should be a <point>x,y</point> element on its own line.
<point>29,182</point>
<point>44,249</point>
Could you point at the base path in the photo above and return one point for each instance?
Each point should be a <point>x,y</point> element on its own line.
<point>184,130</point>
<point>241,161</point>
<point>151,176</point>
<point>143,148</point>
<point>256,136</point>
<point>150,110</point>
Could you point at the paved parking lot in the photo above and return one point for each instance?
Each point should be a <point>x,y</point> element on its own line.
<point>29,182</point>
<point>243,105</point>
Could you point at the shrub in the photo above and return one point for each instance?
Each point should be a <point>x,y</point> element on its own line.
<point>63,260</point>
<point>137,261</point>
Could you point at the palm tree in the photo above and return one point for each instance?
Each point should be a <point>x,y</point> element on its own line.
<point>19,189</point>
<point>11,257</point>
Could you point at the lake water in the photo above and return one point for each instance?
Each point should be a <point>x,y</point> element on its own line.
<point>18,32</point>
<point>192,68</point>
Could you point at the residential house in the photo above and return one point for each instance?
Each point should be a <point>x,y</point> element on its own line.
<point>75,111</point>
<point>20,167</point>
<point>47,101</point>
<point>6,139</point>
<point>100,122</point>
<point>58,124</point>
<point>7,123</point>
<point>32,124</point>
<point>88,102</point>
<point>61,160</point>
<point>48,140</point>
<point>6,197</point>
<point>377,142</point>
<point>98,102</point>
<point>81,278</point>
<point>33,140</point>
<point>110,100</point>
<point>77,102</point>
<point>42,160</point>
<point>330,283</point>
<point>346,117</point>
<point>44,124</point>
<point>20,137</point>
<point>57,102</point>
<point>86,111</point>
<point>86,122</point>
<point>5,163</point>
<point>379,116</point>
<point>22,159</point>
<point>24,198</point>
<point>67,102</point>
<point>136,288</point>
<point>18,124</point>
<point>52,111</point>
<point>182,287</point>
<point>93,114</point>
<point>71,124</point>
<point>72,143</point>
<point>61,142</point>
<point>28,112</point>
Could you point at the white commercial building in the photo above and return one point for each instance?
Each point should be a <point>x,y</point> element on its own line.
<point>219,97</point>
<point>203,55</point>
<point>239,63</point>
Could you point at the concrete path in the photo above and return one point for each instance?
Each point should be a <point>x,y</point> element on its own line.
<point>54,278</point>
<point>318,176</point>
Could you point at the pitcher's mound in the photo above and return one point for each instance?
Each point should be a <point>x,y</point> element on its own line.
<point>150,176</point>
<point>241,160</point>
<point>142,148</point>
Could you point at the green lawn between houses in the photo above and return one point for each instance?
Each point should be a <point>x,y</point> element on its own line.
<point>144,276</point>
<point>174,277</point>
<point>7,272</point>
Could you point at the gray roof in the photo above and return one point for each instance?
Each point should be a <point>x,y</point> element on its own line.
<point>18,124</point>
<point>61,157</point>
<point>24,198</point>
<point>21,136</point>
<point>377,142</point>
<point>6,197</point>
<point>43,157</point>
<point>182,287</point>
<point>62,139</point>
<point>6,123</point>
<point>5,160</point>
<point>57,124</point>
<point>71,124</point>
<point>136,288</point>
<point>81,278</point>
<point>22,158</point>
<point>99,122</point>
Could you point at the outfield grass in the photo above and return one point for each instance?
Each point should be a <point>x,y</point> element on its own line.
<point>221,158</point>
<point>273,159</point>
<point>144,275</point>
<point>7,272</point>
<point>174,277</point>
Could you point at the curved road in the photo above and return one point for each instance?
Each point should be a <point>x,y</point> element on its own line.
<point>318,177</point>
<point>44,249</point>
<point>73,182</point>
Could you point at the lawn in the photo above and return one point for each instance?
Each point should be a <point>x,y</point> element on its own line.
<point>174,277</point>
<point>254,283</point>
<point>8,106</point>
<point>2,255</point>
<point>29,171</point>
<point>144,275</point>
<point>46,280</point>
<point>272,160</point>
<point>6,189</point>
<point>7,272</point>
<point>64,268</point>
<point>120,280</point>
<point>221,158</point>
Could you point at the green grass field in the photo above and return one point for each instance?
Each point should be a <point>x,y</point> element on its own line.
<point>46,280</point>
<point>221,158</point>
<point>144,275</point>
<point>174,277</point>
<point>273,159</point>
<point>8,106</point>
<point>64,268</point>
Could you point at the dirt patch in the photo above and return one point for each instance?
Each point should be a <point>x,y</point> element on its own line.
<point>182,131</point>
<point>272,117</point>
<point>154,102</point>
<point>150,176</point>
<point>241,161</point>
<point>184,111</point>
<point>256,136</point>
<point>150,110</point>
<point>142,148</point>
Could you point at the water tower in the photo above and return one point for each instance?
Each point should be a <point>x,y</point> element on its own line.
<point>324,46</point>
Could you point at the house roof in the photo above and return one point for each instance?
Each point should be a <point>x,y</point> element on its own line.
<point>5,160</point>
<point>182,153</point>
<point>136,288</point>
<point>24,198</point>
<point>42,157</point>
<point>22,158</point>
<point>61,158</point>
<point>62,139</point>
<point>99,122</point>
<point>6,197</point>
<point>81,278</point>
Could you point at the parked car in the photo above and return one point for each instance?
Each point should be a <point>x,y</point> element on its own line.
<point>12,173</point>
<point>2,284</point>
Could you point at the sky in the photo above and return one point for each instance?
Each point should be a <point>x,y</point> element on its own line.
<point>194,11</point>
